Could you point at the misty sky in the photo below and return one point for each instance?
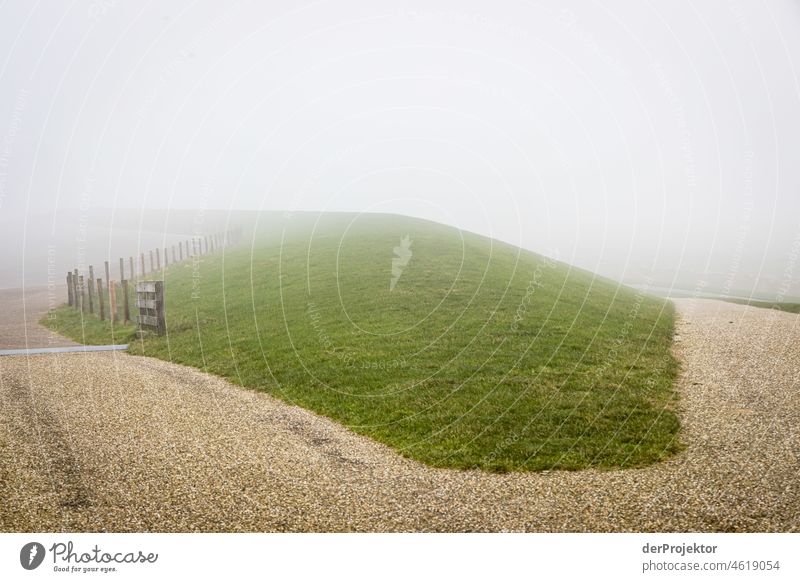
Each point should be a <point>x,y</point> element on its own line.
<point>642,140</point>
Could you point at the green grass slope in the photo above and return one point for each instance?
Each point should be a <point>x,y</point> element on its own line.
<point>480,355</point>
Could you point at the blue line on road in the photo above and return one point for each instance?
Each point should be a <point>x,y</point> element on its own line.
<point>32,351</point>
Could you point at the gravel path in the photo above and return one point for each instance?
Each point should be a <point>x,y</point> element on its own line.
<point>20,314</point>
<point>109,441</point>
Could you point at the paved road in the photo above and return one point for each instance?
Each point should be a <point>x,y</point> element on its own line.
<point>112,442</point>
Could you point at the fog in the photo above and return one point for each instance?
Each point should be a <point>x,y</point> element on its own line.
<point>653,143</point>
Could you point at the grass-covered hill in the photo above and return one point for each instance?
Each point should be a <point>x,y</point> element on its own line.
<point>453,348</point>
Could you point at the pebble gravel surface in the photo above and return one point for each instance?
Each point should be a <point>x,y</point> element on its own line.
<point>20,312</point>
<point>113,442</point>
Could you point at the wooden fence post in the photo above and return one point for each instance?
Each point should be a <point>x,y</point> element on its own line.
<point>90,289</point>
<point>121,269</point>
<point>125,303</point>
<point>75,288</point>
<point>166,258</point>
<point>69,288</point>
<point>82,294</point>
<point>180,251</point>
<point>152,262</point>
<point>173,254</point>
<point>112,300</point>
<point>144,271</point>
<point>101,300</point>
<point>133,269</point>
<point>108,276</point>
<point>162,323</point>
<point>158,259</point>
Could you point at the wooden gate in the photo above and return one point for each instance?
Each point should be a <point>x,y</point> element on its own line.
<point>150,302</point>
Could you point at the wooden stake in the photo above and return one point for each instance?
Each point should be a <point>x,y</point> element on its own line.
<point>112,300</point>
<point>90,289</point>
<point>125,304</point>
<point>75,288</point>
<point>82,294</point>
<point>69,288</point>
<point>101,300</point>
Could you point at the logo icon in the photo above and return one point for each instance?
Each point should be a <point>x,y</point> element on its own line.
<point>31,555</point>
<point>402,256</point>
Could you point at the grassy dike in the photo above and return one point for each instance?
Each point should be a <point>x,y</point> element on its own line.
<point>481,355</point>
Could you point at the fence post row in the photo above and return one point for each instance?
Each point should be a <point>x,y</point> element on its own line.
<point>79,290</point>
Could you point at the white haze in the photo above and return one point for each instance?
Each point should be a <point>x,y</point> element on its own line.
<point>652,142</point>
